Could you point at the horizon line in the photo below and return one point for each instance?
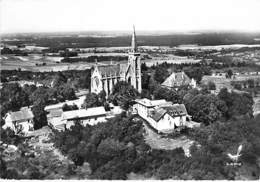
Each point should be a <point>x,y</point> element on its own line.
<point>140,31</point>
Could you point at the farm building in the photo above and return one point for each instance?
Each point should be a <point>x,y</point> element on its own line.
<point>19,121</point>
<point>89,116</point>
<point>163,116</point>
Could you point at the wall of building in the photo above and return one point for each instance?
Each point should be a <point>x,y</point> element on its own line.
<point>8,123</point>
<point>141,110</point>
<point>96,88</point>
<point>168,122</point>
<point>85,121</point>
<point>94,121</point>
<point>26,125</point>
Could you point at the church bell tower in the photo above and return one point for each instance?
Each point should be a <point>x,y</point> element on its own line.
<point>134,62</point>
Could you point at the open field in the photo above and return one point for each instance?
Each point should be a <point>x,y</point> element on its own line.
<point>220,81</point>
<point>37,62</point>
<point>153,55</point>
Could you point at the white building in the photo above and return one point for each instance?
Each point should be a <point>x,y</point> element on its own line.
<point>19,121</point>
<point>54,119</point>
<point>105,77</point>
<point>178,79</point>
<point>89,116</point>
<point>163,116</point>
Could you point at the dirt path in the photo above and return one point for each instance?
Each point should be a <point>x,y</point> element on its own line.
<point>157,142</point>
<point>41,141</point>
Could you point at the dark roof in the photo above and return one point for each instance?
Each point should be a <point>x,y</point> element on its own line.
<point>176,79</point>
<point>174,110</point>
<point>111,69</point>
<point>158,114</point>
<point>55,113</point>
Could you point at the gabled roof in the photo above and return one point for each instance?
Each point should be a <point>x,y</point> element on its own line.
<point>173,110</point>
<point>176,79</point>
<point>83,113</point>
<point>55,113</point>
<point>176,110</point>
<point>158,114</point>
<point>23,114</point>
<point>150,103</point>
<point>110,69</point>
<point>54,106</point>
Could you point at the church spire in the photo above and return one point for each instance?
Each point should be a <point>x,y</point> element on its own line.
<point>134,45</point>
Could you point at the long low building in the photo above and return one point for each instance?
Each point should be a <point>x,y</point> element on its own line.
<point>89,116</point>
<point>61,120</point>
<point>163,116</point>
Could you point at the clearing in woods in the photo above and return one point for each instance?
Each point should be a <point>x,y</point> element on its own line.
<point>156,141</point>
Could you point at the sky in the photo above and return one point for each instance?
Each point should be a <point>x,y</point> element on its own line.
<point>149,15</point>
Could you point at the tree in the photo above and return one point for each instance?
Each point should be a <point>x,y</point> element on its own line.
<point>39,113</point>
<point>161,73</point>
<point>66,107</point>
<point>85,79</point>
<point>91,101</point>
<point>67,92</point>
<point>59,79</point>
<point>29,89</point>
<point>251,83</point>
<point>2,167</point>
<point>123,94</point>
<point>8,136</point>
<point>144,67</point>
<point>145,80</point>
<point>12,174</point>
<point>12,98</point>
<point>42,93</point>
<point>195,72</point>
<point>237,104</point>
<point>102,97</point>
<point>145,94</point>
<point>152,85</point>
<point>167,94</point>
<point>206,108</point>
<point>211,85</point>
<point>229,73</point>
<point>110,148</point>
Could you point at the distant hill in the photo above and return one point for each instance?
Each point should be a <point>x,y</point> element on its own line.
<point>116,39</point>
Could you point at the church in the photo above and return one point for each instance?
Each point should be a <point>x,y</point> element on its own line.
<point>104,77</point>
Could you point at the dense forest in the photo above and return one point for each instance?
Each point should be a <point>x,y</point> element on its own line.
<point>117,148</point>
<point>74,41</point>
<point>92,59</point>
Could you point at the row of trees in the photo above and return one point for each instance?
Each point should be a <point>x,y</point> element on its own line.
<point>92,59</point>
<point>17,52</point>
<point>195,71</point>
<point>80,79</point>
